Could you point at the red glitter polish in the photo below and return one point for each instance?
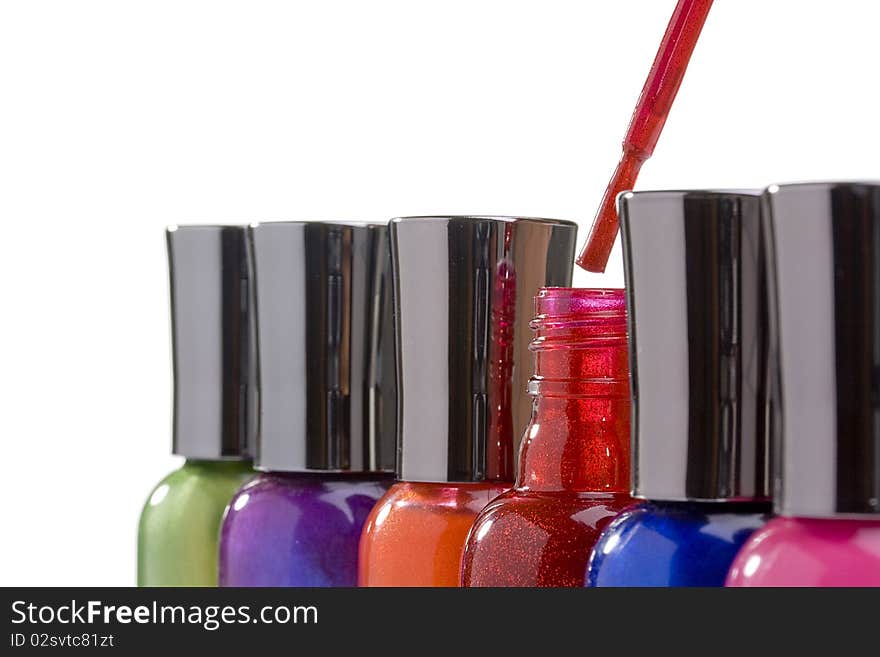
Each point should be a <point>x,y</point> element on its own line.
<point>574,474</point>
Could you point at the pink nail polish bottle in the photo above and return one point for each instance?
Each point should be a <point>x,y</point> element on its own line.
<point>825,328</point>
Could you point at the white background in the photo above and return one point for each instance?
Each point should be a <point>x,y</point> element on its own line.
<point>118,118</point>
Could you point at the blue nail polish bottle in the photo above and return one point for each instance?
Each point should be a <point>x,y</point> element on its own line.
<point>696,295</point>
<point>674,543</point>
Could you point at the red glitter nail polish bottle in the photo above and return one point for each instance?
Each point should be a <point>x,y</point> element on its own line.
<point>574,473</point>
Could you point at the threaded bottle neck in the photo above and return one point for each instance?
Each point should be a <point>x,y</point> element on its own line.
<point>578,438</point>
<point>580,343</point>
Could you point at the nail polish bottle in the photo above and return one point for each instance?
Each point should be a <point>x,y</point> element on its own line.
<point>212,349</point>
<point>825,352</point>
<point>325,439</point>
<point>696,293</point>
<point>464,289</point>
<point>574,470</point>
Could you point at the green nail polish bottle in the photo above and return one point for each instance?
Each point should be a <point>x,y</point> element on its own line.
<point>214,404</point>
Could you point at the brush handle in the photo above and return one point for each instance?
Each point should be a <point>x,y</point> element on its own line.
<point>646,123</point>
<point>665,76</point>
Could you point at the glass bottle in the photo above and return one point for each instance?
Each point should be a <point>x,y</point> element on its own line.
<point>825,356</point>
<point>574,473</point>
<point>696,289</point>
<point>325,445</point>
<point>180,522</point>
<point>463,291</point>
<point>212,348</point>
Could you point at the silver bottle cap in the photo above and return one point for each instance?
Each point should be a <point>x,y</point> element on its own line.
<point>696,293</point>
<point>212,342</point>
<point>464,289</point>
<point>326,361</point>
<point>825,310</point>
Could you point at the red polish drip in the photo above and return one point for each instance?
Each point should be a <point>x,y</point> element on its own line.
<point>500,458</point>
<point>646,124</point>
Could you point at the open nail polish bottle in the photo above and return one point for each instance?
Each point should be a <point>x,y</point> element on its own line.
<point>213,406</point>
<point>464,289</point>
<point>325,441</point>
<point>696,285</point>
<point>825,357</point>
<point>574,470</point>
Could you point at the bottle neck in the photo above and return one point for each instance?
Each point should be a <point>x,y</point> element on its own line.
<point>578,439</point>
<point>226,465</point>
<point>577,444</point>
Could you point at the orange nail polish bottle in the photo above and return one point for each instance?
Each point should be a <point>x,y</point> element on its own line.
<point>463,289</point>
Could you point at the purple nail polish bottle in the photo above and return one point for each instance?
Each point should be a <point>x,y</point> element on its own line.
<point>327,417</point>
